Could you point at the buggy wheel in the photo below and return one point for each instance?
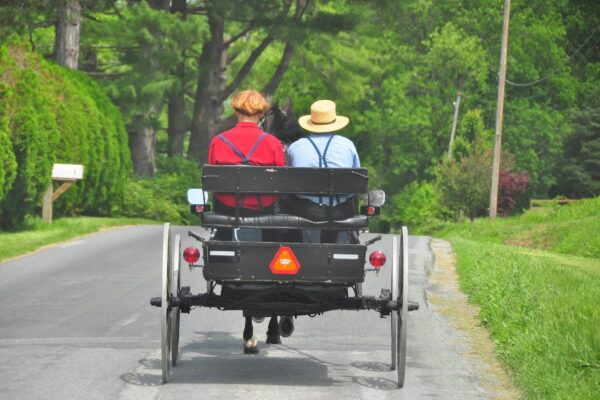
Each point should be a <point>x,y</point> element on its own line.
<point>176,311</point>
<point>166,323</point>
<point>403,311</point>
<point>395,291</point>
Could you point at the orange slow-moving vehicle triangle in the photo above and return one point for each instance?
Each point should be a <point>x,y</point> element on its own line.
<point>285,262</point>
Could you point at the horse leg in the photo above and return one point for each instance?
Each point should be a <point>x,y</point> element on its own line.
<point>273,331</point>
<point>250,342</point>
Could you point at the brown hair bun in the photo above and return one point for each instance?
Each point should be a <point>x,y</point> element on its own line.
<point>249,102</point>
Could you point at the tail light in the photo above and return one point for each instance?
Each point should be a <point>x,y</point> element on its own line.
<point>377,259</point>
<point>191,255</point>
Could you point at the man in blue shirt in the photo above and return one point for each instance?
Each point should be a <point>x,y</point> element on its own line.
<point>324,149</point>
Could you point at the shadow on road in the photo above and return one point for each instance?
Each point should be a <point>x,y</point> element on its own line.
<point>217,359</point>
<point>371,366</point>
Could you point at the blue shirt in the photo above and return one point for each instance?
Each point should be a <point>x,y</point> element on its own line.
<point>340,154</point>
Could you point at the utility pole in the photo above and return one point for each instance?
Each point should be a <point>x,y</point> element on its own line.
<point>499,113</point>
<point>454,122</point>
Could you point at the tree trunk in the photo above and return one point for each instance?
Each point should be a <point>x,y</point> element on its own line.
<point>211,80</point>
<point>159,4</point>
<point>177,124</point>
<point>142,142</point>
<point>66,39</point>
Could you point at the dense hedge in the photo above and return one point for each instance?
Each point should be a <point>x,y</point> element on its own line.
<point>163,198</point>
<point>48,115</point>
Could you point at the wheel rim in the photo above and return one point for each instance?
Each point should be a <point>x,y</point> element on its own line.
<point>165,339</point>
<point>403,311</point>
<point>176,311</point>
<point>394,294</point>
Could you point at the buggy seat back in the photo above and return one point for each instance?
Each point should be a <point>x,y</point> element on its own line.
<point>242,180</point>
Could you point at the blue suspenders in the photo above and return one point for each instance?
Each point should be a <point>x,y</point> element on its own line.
<point>323,162</point>
<point>322,157</point>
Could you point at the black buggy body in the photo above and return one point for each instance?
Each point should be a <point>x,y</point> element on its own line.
<point>284,278</point>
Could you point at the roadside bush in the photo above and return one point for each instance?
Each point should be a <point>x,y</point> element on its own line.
<point>417,206</point>
<point>49,115</point>
<point>380,225</point>
<point>464,185</point>
<point>164,197</point>
<point>8,163</point>
<point>512,185</point>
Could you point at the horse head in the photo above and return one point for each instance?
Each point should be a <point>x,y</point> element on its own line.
<point>282,122</point>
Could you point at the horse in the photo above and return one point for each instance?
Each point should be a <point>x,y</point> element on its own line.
<point>282,123</point>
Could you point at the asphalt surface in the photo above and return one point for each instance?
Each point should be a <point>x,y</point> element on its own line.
<point>75,323</point>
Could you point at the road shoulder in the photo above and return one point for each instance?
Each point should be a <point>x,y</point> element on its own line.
<point>444,296</point>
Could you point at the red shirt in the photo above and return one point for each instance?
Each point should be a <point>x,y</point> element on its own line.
<point>243,136</point>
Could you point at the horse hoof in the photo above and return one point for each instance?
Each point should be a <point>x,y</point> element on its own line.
<point>286,326</point>
<point>250,350</point>
<point>273,339</point>
<point>251,346</point>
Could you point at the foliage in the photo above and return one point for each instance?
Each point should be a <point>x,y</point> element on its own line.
<point>379,225</point>
<point>579,172</point>
<point>151,43</point>
<point>417,207</point>
<point>57,115</point>
<point>8,163</point>
<point>163,198</point>
<point>512,185</point>
<point>464,184</point>
<point>393,67</point>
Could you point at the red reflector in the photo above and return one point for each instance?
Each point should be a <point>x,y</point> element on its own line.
<point>377,259</point>
<point>199,209</point>
<point>371,210</point>
<point>285,262</point>
<point>191,255</point>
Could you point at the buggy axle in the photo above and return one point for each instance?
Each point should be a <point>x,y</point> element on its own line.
<point>383,305</point>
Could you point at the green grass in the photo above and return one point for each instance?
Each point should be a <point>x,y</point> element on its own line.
<point>38,234</point>
<point>571,229</point>
<point>541,307</point>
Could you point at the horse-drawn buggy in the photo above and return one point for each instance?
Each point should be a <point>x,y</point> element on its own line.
<point>280,276</point>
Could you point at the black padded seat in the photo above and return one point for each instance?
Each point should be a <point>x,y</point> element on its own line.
<point>282,221</point>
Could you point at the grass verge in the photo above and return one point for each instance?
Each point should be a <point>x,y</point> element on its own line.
<point>38,234</point>
<point>570,229</point>
<point>542,308</point>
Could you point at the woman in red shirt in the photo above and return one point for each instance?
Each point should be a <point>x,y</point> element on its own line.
<point>246,144</point>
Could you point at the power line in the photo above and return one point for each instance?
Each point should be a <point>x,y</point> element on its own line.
<point>554,70</point>
<point>528,83</point>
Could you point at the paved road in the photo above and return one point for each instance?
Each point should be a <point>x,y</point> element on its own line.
<point>75,323</point>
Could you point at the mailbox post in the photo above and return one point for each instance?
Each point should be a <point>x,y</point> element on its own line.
<point>68,174</point>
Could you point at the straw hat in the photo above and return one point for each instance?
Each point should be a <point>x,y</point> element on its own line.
<point>322,118</point>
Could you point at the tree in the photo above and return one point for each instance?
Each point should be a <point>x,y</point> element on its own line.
<point>68,28</point>
<point>212,88</point>
<point>145,46</point>
<point>464,184</point>
<point>579,172</point>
